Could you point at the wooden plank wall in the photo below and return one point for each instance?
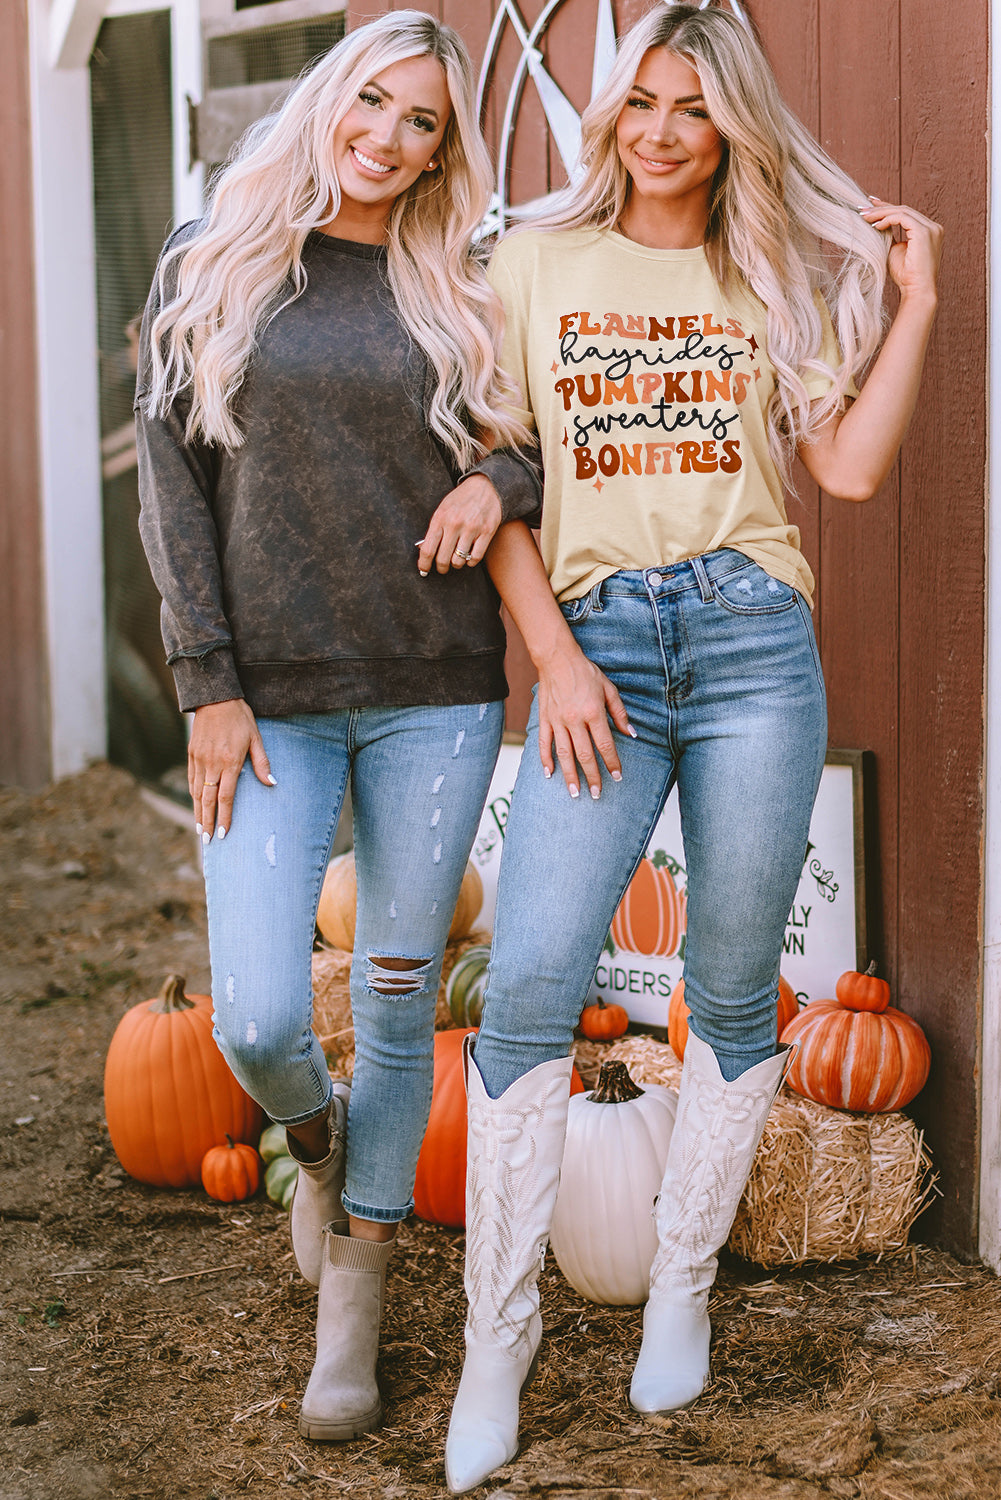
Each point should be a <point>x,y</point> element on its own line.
<point>897,92</point>
<point>24,751</point>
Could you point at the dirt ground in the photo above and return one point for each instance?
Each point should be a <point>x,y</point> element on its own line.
<point>156,1343</point>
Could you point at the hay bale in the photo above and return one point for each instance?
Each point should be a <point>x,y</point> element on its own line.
<point>827,1184</point>
<point>332,1000</point>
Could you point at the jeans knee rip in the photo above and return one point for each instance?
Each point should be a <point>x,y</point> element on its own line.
<point>409,979</point>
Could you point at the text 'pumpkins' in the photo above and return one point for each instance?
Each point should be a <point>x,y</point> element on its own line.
<point>336,913</point>
<point>169,1095</point>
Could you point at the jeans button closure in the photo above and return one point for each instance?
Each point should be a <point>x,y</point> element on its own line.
<point>654,579</point>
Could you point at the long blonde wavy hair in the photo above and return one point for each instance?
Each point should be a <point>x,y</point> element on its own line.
<point>783,219</point>
<point>220,288</point>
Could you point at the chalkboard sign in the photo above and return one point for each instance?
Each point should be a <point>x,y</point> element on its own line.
<point>643,960</point>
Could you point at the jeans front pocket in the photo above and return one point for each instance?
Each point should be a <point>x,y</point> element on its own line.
<point>749,590</point>
<point>576,611</point>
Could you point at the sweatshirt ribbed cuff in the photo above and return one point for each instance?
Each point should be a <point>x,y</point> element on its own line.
<point>211,678</point>
<point>516,475</point>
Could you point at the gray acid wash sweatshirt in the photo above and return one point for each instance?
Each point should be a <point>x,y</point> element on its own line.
<point>288,567</point>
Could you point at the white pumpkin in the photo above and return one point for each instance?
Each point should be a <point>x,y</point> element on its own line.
<point>603,1234</point>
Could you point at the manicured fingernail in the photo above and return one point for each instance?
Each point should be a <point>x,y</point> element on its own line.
<point>864,208</point>
<point>616,775</point>
<point>272,781</point>
<point>574,791</point>
<point>198,829</point>
<point>220,833</point>
<point>547,773</point>
<point>423,572</point>
<point>595,793</point>
<point>631,730</point>
<point>206,837</point>
<point>421,542</point>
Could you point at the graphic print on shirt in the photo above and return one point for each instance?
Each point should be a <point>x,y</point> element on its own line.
<point>650,394</point>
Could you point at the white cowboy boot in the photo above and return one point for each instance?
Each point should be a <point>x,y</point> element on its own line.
<point>515,1147</point>
<point>342,1398</point>
<point>716,1135</point>
<point>316,1200</point>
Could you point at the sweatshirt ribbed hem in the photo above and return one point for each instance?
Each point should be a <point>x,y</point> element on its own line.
<point>319,687</point>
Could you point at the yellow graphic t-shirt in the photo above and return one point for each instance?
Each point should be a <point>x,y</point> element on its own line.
<point>649,390</point>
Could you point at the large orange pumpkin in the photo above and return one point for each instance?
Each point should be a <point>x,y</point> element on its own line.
<point>866,1059</point>
<point>335,915</point>
<point>440,1186</point>
<point>651,915</point>
<point>168,1093</point>
<point>678,1013</point>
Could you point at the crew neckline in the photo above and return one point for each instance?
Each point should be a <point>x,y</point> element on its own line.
<point>649,252</point>
<point>360,248</point>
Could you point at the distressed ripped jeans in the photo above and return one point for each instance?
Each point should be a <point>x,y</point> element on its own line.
<point>718,669</point>
<point>419,779</point>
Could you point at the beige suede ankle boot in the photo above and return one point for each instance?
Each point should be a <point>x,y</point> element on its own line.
<point>316,1201</point>
<point>342,1398</point>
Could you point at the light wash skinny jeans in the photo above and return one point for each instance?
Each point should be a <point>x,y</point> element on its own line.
<point>718,668</point>
<point>419,779</point>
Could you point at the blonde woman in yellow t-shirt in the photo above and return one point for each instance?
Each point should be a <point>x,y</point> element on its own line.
<point>679,337</point>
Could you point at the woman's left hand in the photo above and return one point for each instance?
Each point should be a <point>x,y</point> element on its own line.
<point>915,255</point>
<point>462,528</point>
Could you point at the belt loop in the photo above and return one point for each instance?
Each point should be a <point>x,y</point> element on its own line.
<point>705,587</point>
<point>596,596</point>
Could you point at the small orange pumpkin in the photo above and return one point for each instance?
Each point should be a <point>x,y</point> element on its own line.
<point>232,1172</point>
<point>168,1092</point>
<point>857,1058</point>
<point>678,1013</point>
<point>863,991</point>
<point>651,916</point>
<point>440,1185</point>
<point>603,1023</point>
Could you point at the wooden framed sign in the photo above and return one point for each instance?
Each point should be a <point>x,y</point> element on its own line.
<point>644,953</point>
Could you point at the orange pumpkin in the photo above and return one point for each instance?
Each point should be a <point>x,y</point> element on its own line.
<point>168,1092</point>
<point>335,914</point>
<point>678,1013</point>
<point>232,1172</point>
<point>863,991</point>
<point>851,1058</point>
<point>651,915</point>
<point>603,1023</point>
<point>440,1185</point>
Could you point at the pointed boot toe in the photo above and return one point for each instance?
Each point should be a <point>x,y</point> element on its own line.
<point>673,1368</point>
<point>469,1460</point>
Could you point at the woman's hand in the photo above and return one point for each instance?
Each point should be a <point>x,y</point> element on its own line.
<point>575,702</point>
<point>916,252</point>
<point>462,528</point>
<point>222,736</point>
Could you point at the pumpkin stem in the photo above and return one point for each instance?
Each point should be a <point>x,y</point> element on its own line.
<point>614,1085</point>
<point>872,967</point>
<point>171,996</point>
<point>229,1141</point>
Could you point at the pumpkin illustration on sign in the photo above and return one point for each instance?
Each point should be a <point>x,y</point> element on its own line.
<point>652,915</point>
